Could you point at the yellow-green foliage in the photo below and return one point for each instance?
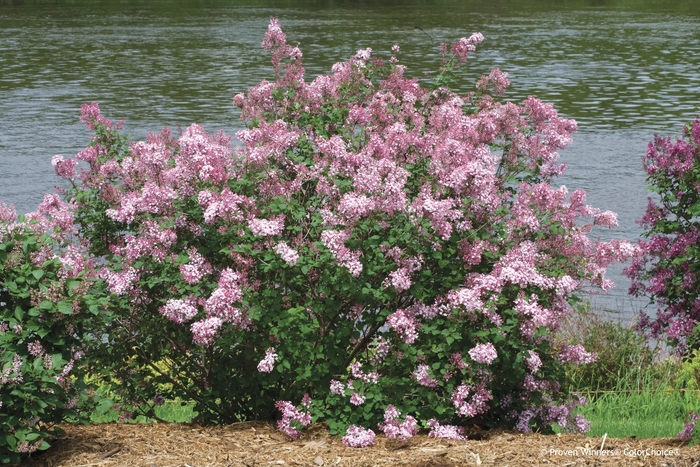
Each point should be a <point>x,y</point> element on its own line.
<point>689,373</point>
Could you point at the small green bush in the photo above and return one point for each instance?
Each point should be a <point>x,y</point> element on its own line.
<point>624,355</point>
<point>41,315</point>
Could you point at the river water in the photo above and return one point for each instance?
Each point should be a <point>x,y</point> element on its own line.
<point>624,69</point>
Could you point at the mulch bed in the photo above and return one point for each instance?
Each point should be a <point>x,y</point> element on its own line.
<point>259,444</point>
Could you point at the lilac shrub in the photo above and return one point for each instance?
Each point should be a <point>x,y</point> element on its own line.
<point>43,303</point>
<point>668,271</point>
<point>373,241</point>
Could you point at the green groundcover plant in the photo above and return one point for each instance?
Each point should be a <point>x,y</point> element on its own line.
<point>376,254</point>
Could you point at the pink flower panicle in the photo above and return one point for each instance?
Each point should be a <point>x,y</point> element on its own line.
<point>65,168</point>
<point>266,228</point>
<point>445,431</point>
<point>196,268</point>
<point>266,365</point>
<point>337,388</point>
<point>291,414</point>
<point>393,428</point>
<point>533,361</point>
<point>462,47</point>
<point>405,324</point>
<point>357,399</point>
<point>335,242</point>
<point>422,376</point>
<point>483,353</point>
<point>204,332</point>
<point>576,354</point>
<point>358,437</point>
<point>356,371</point>
<point>289,255</point>
<point>687,433</point>
<point>180,310</point>
<point>470,408</point>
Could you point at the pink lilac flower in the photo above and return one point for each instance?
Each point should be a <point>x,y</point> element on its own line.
<point>580,424</point>
<point>405,324</point>
<point>357,399</point>
<point>576,354</point>
<point>533,361</point>
<point>120,283</point>
<point>196,268</point>
<point>14,369</point>
<point>204,331</point>
<point>478,403</point>
<point>337,388</point>
<point>457,361</point>
<point>26,447</point>
<point>381,348</point>
<point>289,255</point>
<point>65,168</point>
<point>483,353</point>
<point>291,414</point>
<point>687,433</point>
<point>393,428</point>
<point>266,365</point>
<point>266,228</point>
<point>358,437</point>
<point>335,242</point>
<point>400,279</point>
<point>35,349</point>
<point>7,213</point>
<point>355,369</point>
<point>496,80</point>
<point>465,45</point>
<point>179,310</point>
<point>445,431</point>
<point>423,377</point>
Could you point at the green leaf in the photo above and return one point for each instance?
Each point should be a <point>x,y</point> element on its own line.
<point>38,273</point>
<point>65,308</point>
<point>104,406</point>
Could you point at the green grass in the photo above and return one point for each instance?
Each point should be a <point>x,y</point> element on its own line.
<point>170,411</point>
<point>648,414</point>
<point>634,390</point>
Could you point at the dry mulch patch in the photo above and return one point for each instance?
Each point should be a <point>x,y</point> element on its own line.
<point>259,444</point>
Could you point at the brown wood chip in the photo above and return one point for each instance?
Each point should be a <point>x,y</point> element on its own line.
<point>255,444</point>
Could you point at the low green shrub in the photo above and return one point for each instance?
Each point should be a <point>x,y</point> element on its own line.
<point>41,328</point>
<point>625,358</point>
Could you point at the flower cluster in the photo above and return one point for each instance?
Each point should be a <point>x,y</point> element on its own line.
<point>445,431</point>
<point>266,365</point>
<point>483,353</point>
<point>290,414</point>
<point>687,433</point>
<point>358,437</point>
<point>393,428</point>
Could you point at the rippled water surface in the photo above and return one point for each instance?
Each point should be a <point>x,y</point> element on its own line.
<point>623,69</point>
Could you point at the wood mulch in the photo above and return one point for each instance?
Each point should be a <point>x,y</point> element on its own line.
<point>259,444</point>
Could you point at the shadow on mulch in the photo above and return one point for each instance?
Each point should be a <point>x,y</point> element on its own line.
<point>258,444</point>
